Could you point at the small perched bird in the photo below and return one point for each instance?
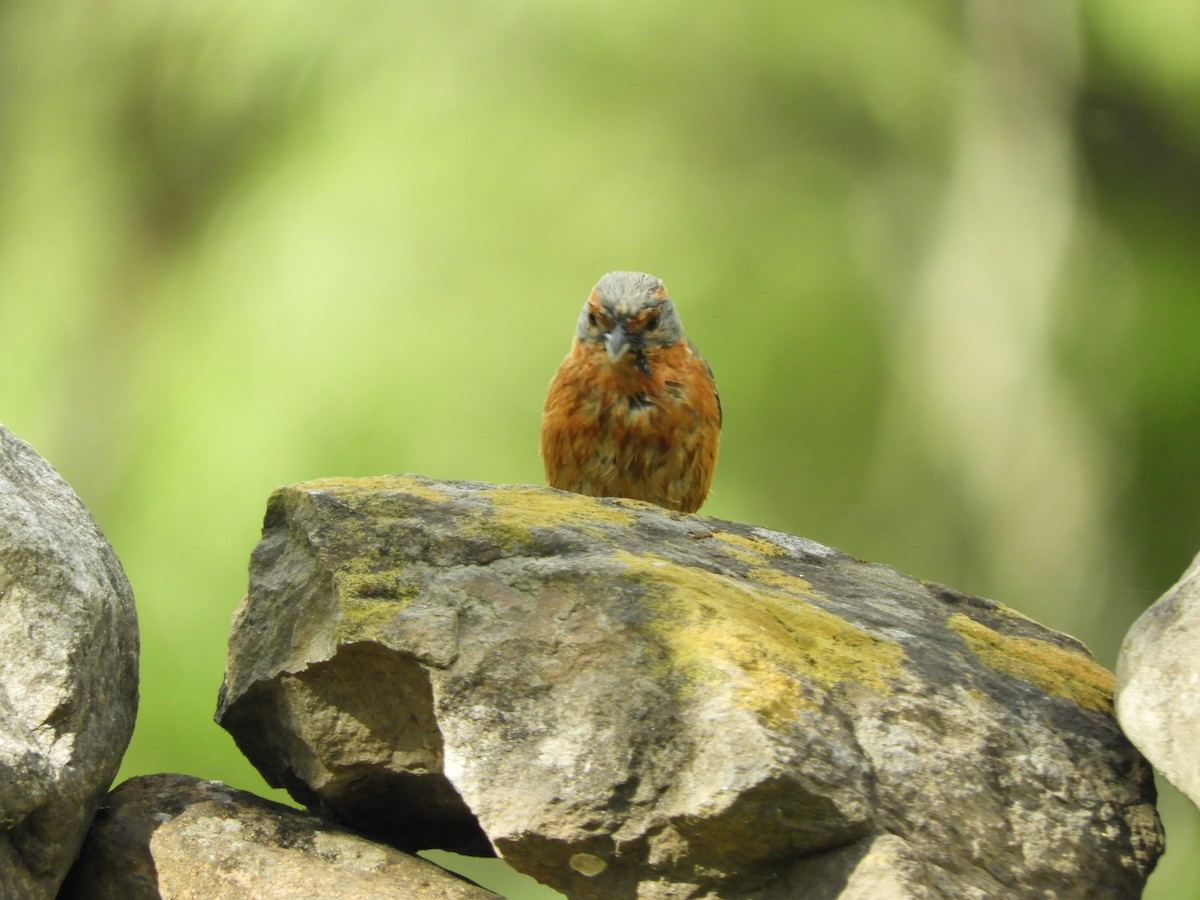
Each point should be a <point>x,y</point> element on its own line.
<point>633,410</point>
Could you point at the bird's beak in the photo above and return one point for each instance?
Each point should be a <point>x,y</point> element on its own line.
<point>616,342</point>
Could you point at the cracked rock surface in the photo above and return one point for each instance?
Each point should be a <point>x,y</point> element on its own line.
<point>628,702</point>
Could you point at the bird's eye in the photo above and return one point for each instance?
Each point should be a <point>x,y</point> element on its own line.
<point>652,322</point>
<point>592,319</point>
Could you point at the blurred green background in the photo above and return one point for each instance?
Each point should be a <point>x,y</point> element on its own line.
<point>942,257</point>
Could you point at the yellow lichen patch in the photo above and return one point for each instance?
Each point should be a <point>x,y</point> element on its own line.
<point>774,577</point>
<point>751,550</point>
<point>363,621</point>
<point>516,510</point>
<point>1013,613</point>
<point>1056,670</point>
<point>769,642</point>
<point>367,602</point>
<point>418,487</point>
<point>364,585</point>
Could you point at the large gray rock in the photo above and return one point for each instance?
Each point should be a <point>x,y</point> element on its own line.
<point>178,836</point>
<point>68,671</point>
<point>627,702</point>
<point>1158,683</point>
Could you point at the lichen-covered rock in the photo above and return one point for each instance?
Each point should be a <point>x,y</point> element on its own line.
<point>178,836</point>
<point>1158,673</point>
<point>68,671</point>
<point>628,702</point>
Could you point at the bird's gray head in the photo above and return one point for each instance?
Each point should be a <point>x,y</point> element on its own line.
<point>629,311</point>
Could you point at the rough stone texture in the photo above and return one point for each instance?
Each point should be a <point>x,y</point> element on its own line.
<point>629,702</point>
<point>68,671</point>
<point>1158,683</point>
<point>174,836</point>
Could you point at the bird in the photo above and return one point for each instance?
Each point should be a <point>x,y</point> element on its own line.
<point>633,410</point>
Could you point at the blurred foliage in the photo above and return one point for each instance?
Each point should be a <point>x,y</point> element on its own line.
<point>941,256</point>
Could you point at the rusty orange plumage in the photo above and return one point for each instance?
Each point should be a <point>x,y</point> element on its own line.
<point>633,410</point>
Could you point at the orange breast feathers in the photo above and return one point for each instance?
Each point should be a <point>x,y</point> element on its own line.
<point>633,410</point>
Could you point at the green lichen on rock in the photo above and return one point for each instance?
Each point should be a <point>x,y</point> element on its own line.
<point>748,549</point>
<point>504,515</point>
<point>1059,671</point>
<point>763,634</point>
<point>367,601</point>
<point>373,578</point>
<point>377,494</point>
<point>516,511</point>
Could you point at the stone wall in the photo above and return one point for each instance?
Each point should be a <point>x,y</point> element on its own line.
<point>620,701</point>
